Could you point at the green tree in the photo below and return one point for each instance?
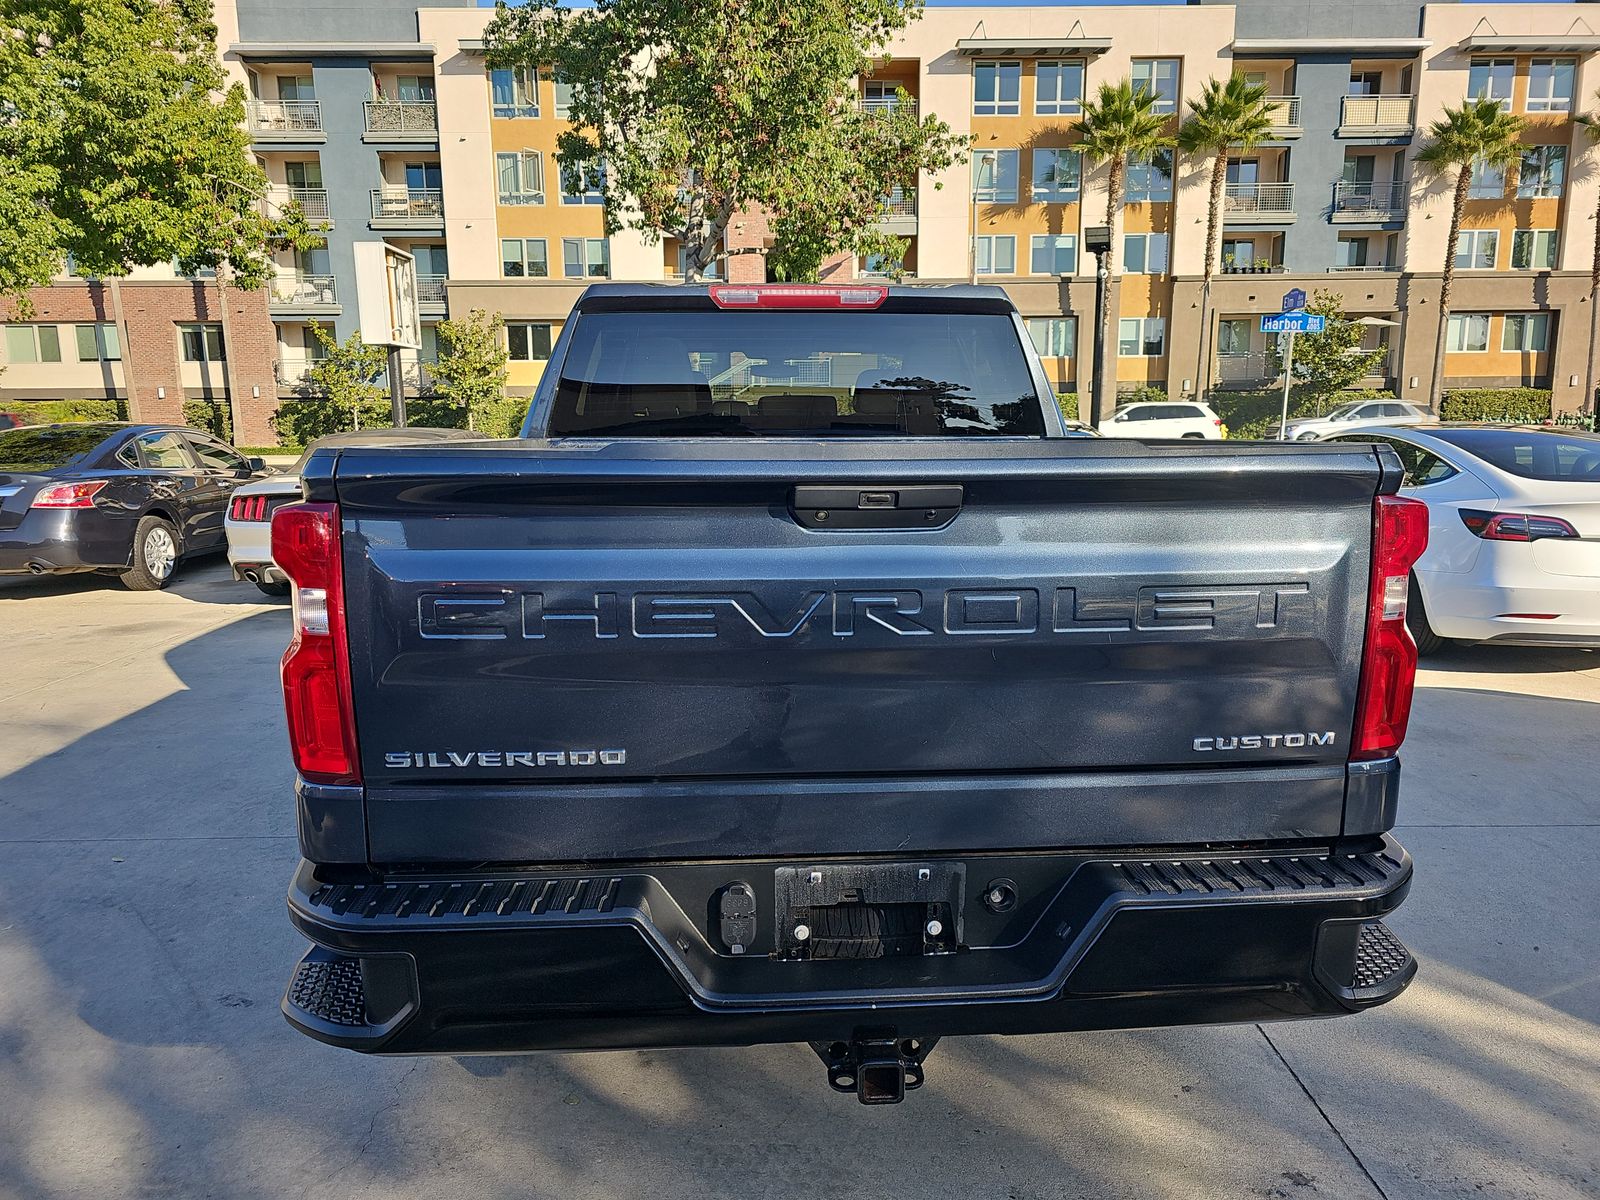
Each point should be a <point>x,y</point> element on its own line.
<point>1479,132</point>
<point>1332,361</point>
<point>123,145</point>
<point>1120,123</point>
<point>1591,127</point>
<point>1229,117</point>
<point>346,378</point>
<point>701,112</point>
<point>471,371</point>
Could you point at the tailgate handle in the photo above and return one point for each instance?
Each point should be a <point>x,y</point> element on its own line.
<point>877,505</point>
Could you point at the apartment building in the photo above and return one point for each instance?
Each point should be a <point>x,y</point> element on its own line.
<point>383,121</point>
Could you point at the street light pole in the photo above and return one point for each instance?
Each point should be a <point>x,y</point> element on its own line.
<point>1097,241</point>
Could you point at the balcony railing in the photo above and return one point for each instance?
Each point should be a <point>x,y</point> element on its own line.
<point>888,104</point>
<point>402,116</point>
<point>420,206</point>
<point>1284,114</point>
<point>1246,370</point>
<point>285,116</point>
<point>1363,268</point>
<point>1371,201</point>
<point>291,369</point>
<point>430,289</point>
<point>304,291</point>
<point>902,202</point>
<point>313,202</point>
<point>1376,113</point>
<point>1264,198</point>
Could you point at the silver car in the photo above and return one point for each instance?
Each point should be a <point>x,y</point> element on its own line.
<point>249,518</point>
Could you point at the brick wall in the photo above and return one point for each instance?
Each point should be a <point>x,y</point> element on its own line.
<point>153,310</point>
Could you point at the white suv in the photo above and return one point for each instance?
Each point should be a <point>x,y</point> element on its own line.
<point>1164,419</point>
<point>1363,412</point>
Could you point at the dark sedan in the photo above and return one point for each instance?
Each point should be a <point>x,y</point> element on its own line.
<point>128,500</point>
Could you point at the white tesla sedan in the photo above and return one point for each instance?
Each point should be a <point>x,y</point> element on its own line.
<point>1513,552</point>
<point>249,517</point>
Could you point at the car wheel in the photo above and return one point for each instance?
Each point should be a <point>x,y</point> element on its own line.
<point>1428,642</point>
<point>279,588</point>
<point>155,555</point>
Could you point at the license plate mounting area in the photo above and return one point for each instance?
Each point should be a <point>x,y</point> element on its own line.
<point>869,910</point>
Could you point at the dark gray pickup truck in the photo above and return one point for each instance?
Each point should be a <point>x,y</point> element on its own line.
<point>798,677</point>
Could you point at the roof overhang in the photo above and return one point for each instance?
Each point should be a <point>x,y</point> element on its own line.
<point>470,45</point>
<point>1533,43</point>
<point>298,51</point>
<point>1352,47</point>
<point>1045,47</point>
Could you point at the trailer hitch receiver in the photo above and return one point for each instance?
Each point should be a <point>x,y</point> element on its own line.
<point>879,1065</point>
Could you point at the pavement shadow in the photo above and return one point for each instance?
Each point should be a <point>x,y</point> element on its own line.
<point>1511,660</point>
<point>204,579</point>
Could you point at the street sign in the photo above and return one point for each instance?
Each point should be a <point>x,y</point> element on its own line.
<point>1294,300</point>
<point>1294,322</point>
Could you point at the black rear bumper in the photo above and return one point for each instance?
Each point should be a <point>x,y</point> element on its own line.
<point>629,959</point>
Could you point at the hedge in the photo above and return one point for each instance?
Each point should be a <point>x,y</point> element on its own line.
<point>1255,414</point>
<point>214,416</point>
<point>1512,405</point>
<point>47,412</point>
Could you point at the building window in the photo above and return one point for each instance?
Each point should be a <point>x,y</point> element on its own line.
<point>1468,333</point>
<point>1053,254</point>
<point>527,341</point>
<point>1141,337</point>
<point>515,93</point>
<point>524,258</point>
<point>1533,250</point>
<point>1352,252</point>
<point>33,344</point>
<point>994,176</point>
<point>583,182</point>
<point>711,270</point>
<point>521,176</point>
<point>563,104</point>
<point>1057,176</point>
<point>1144,254</point>
<point>1053,337</point>
<point>1149,178</point>
<point>1233,335</point>
<point>201,343</point>
<point>996,89</point>
<point>1543,173</point>
<point>1488,182</point>
<point>98,343</point>
<point>586,258</point>
<point>995,255</point>
<point>1526,332</point>
<point>1238,253</point>
<point>1478,250</point>
<point>1058,88</point>
<point>1550,84</point>
<point>413,88</point>
<point>1160,76</point>
<point>1490,79</point>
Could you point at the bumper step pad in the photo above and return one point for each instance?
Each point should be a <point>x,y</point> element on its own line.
<point>331,990</point>
<point>338,998</point>
<point>1380,958</point>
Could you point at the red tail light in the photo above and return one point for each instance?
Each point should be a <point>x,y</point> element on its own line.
<point>1514,527</point>
<point>1389,661</point>
<point>69,495</point>
<point>796,295</point>
<point>248,508</point>
<point>316,667</point>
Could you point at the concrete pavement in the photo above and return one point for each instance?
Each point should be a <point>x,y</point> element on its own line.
<point>146,839</point>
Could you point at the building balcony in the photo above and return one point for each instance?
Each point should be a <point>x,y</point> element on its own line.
<point>290,370</point>
<point>1355,203</point>
<point>1257,202</point>
<point>899,213</point>
<point>407,208</point>
<point>1362,268</point>
<point>295,292</point>
<point>313,202</point>
<point>888,104</point>
<point>1284,115</point>
<point>431,294</point>
<point>1375,116</point>
<point>1254,370</point>
<point>285,120</point>
<point>401,121</point>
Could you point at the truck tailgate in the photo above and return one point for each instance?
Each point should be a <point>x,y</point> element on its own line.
<point>638,649</point>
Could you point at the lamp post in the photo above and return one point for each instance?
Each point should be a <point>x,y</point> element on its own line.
<point>1097,241</point>
<point>983,168</point>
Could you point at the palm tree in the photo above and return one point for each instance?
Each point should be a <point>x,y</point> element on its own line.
<point>1121,122</point>
<point>1591,125</point>
<point>1479,132</point>
<point>1228,116</point>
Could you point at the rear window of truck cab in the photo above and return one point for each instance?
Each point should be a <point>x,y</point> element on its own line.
<point>798,373</point>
